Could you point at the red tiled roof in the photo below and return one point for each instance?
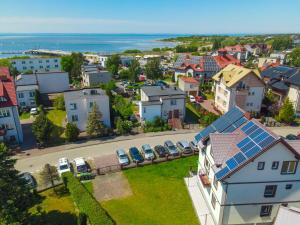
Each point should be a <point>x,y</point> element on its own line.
<point>7,88</point>
<point>235,48</point>
<point>224,61</point>
<point>189,80</point>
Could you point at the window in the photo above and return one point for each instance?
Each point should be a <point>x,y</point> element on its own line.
<point>4,113</point>
<point>47,61</point>
<point>74,118</point>
<point>30,62</point>
<point>55,60</point>
<point>41,67</point>
<point>24,68</point>
<point>270,191</point>
<point>260,165</point>
<point>213,200</point>
<point>288,167</point>
<point>173,101</point>
<point>144,109</point>
<point>275,165</point>
<point>23,62</point>
<point>56,66</point>
<point>266,210</point>
<point>32,94</point>
<point>22,104</point>
<point>3,99</point>
<point>21,95</point>
<point>92,104</point>
<point>288,186</point>
<point>73,106</point>
<point>215,183</point>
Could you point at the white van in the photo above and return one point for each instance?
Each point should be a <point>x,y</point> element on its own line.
<point>80,165</point>
<point>63,166</point>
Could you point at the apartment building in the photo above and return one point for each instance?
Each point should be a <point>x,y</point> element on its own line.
<point>37,64</point>
<point>245,171</point>
<point>166,103</point>
<point>80,102</point>
<point>93,75</point>
<point>235,85</point>
<point>10,126</point>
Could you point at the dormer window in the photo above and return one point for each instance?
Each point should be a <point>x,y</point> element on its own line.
<point>3,99</point>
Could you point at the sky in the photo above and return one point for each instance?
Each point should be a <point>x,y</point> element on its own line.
<point>150,16</point>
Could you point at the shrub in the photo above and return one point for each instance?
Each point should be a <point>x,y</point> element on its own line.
<point>157,125</point>
<point>71,132</point>
<point>86,203</point>
<point>59,102</point>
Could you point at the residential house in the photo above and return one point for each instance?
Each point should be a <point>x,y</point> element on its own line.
<point>238,51</point>
<point>37,64</point>
<point>94,75</point>
<point>96,59</point>
<point>189,85</point>
<point>245,171</point>
<point>287,216</point>
<point>266,62</point>
<point>80,102</point>
<point>10,126</point>
<point>45,83</point>
<point>282,56</point>
<point>126,60</point>
<point>166,103</point>
<point>236,85</point>
<point>283,81</point>
<point>258,49</point>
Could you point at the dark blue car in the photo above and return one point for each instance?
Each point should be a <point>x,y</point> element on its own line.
<point>135,155</point>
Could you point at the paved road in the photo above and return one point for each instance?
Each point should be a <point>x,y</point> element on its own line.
<point>34,163</point>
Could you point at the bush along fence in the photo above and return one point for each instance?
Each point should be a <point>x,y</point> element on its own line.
<point>85,202</point>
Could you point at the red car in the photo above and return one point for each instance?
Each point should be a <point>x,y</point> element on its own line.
<point>199,99</point>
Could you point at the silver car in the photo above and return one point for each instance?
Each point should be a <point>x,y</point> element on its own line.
<point>184,147</point>
<point>171,148</point>
<point>122,157</point>
<point>194,146</point>
<point>147,152</point>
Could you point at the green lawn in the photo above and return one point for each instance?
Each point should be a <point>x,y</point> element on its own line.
<point>54,208</point>
<point>89,186</point>
<point>57,117</point>
<point>159,196</point>
<point>24,115</point>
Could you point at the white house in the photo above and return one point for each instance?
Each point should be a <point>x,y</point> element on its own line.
<point>10,126</point>
<point>96,59</point>
<point>80,102</point>
<point>294,90</point>
<point>235,85</point>
<point>189,85</point>
<point>37,64</point>
<point>93,75</point>
<point>246,172</point>
<point>166,103</point>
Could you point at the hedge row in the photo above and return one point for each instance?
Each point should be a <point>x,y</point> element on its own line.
<point>85,202</point>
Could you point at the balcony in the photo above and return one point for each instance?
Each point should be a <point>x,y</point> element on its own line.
<point>204,178</point>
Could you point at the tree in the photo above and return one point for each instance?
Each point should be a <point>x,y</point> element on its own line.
<point>124,74</point>
<point>49,174</point>
<point>112,64</point>
<point>71,132</point>
<point>16,197</point>
<point>94,125</point>
<point>37,98</point>
<point>124,126</point>
<point>59,102</point>
<point>294,57</point>
<point>282,43</point>
<point>5,62</point>
<point>42,128</point>
<point>134,70</point>
<point>216,44</point>
<point>72,64</point>
<point>123,107</point>
<point>153,70</point>
<point>286,112</point>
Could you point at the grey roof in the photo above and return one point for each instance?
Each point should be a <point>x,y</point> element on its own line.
<point>159,91</point>
<point>287,216</point>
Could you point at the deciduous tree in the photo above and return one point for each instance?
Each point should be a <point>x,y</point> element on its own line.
<point>113,63</point>
<point>153,70</point>
<point>71,132</point>
<point>49,175</point>
<point>94,125</point>
<point>42,128</point>
<point>286,112</point>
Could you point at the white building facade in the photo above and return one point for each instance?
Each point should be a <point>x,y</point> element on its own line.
<point>79,103</point>
<point>37,64</point>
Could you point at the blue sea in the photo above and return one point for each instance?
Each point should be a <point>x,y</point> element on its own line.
<point>100,43</point>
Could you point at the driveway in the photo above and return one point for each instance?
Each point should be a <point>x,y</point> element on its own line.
<point>28,137</point>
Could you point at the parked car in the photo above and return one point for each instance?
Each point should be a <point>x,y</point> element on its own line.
<point>135,155</point>
<point>80,165</point>
<point>30,181</point>
<point>171,148</point>
<point>122,157</point>
<point>194,146</point>
<point>199,99</point>
<point>292,137</point>
<point>147,152</point>
<point>34,111</point>
<point>161,150</point>
<point>192,99</point>
<point>63,166</point>
<point>184,147</point>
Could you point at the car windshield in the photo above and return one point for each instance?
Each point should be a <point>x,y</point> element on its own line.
<point>172,147</point>
<point>63,167</point>
<point>123,156</point>
<point>82,168</point>
<point>148,151</point>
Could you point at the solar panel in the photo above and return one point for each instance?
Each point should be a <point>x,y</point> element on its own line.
<point>248,146</point>
<point>244,142</point>
<point>198,137</point>
<point>240,122</point>
<point>253,151</point>
<point>229,129</point>
<point>256,133</point>
<point>247,126</point>
<point>239,157</point>
<point>269,140</point>
<point>251,129</point>
<point>222,173</point>
<point>261,137</point>
<point>231,163</point>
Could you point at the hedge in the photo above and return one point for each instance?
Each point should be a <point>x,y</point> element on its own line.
<point>85,202</point>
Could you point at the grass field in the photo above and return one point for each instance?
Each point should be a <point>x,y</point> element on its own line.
<point>57,118</point>
<point>159,196</point>
<point>54,208</point>
<point>24,115</point>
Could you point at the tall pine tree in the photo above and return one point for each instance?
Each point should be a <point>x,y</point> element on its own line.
<point>94,125</point>
<point>287,112</point>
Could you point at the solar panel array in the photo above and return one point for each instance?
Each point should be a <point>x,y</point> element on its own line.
<point>210,64</point>
<point>256,141</point>
<point>229,122</point>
